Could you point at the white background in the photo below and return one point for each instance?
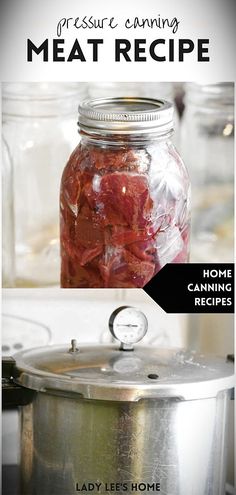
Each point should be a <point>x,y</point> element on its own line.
<point>37,20</point>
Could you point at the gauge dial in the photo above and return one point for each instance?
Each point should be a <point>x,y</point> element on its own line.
<point>128,324</point>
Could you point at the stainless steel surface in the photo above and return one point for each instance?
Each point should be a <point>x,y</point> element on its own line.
<point>179,444</point>
<point>126,115</point>
<point>106,372</point>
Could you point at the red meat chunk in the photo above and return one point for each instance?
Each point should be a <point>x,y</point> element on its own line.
<point>121,198</point>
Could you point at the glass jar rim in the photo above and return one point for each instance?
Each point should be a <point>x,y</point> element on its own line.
<point>214,93</point>
<point>41,91</point>
<point>126,115</point>
<point>41,99</point>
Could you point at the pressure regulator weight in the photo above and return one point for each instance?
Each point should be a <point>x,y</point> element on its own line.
<point>128,325</point>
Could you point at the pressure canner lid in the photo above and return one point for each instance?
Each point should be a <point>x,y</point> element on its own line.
<point>109,372</point>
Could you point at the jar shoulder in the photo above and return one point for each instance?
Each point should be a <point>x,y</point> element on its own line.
<point>128,157</point>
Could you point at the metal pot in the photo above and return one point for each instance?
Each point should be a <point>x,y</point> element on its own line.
<point>110,419</point>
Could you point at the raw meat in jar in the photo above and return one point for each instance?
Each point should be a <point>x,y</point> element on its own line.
<point>117,229</point>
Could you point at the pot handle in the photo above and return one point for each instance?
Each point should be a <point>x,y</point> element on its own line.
<point>13,395</point>
<point>230,358</point>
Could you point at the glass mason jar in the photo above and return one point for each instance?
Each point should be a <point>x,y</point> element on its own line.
<point>207,145</point>
<point>124,196</point>
<point>8,245</point>
<point>39,127</point>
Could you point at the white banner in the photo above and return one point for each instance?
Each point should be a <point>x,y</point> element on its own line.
<point>123,41</point>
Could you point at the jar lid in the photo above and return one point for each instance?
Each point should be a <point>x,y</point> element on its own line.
<point>126,116</point>
<point>106,372</point>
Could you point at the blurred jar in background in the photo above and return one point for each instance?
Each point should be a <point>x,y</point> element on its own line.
<point>8,246</point>
<point>163,90</point>
<point>19,333</point>
<point>207,146</point>
<point>40,128</point>
<point>156,90</point>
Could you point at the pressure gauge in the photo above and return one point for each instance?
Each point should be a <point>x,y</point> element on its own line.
<point>128,325</point>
